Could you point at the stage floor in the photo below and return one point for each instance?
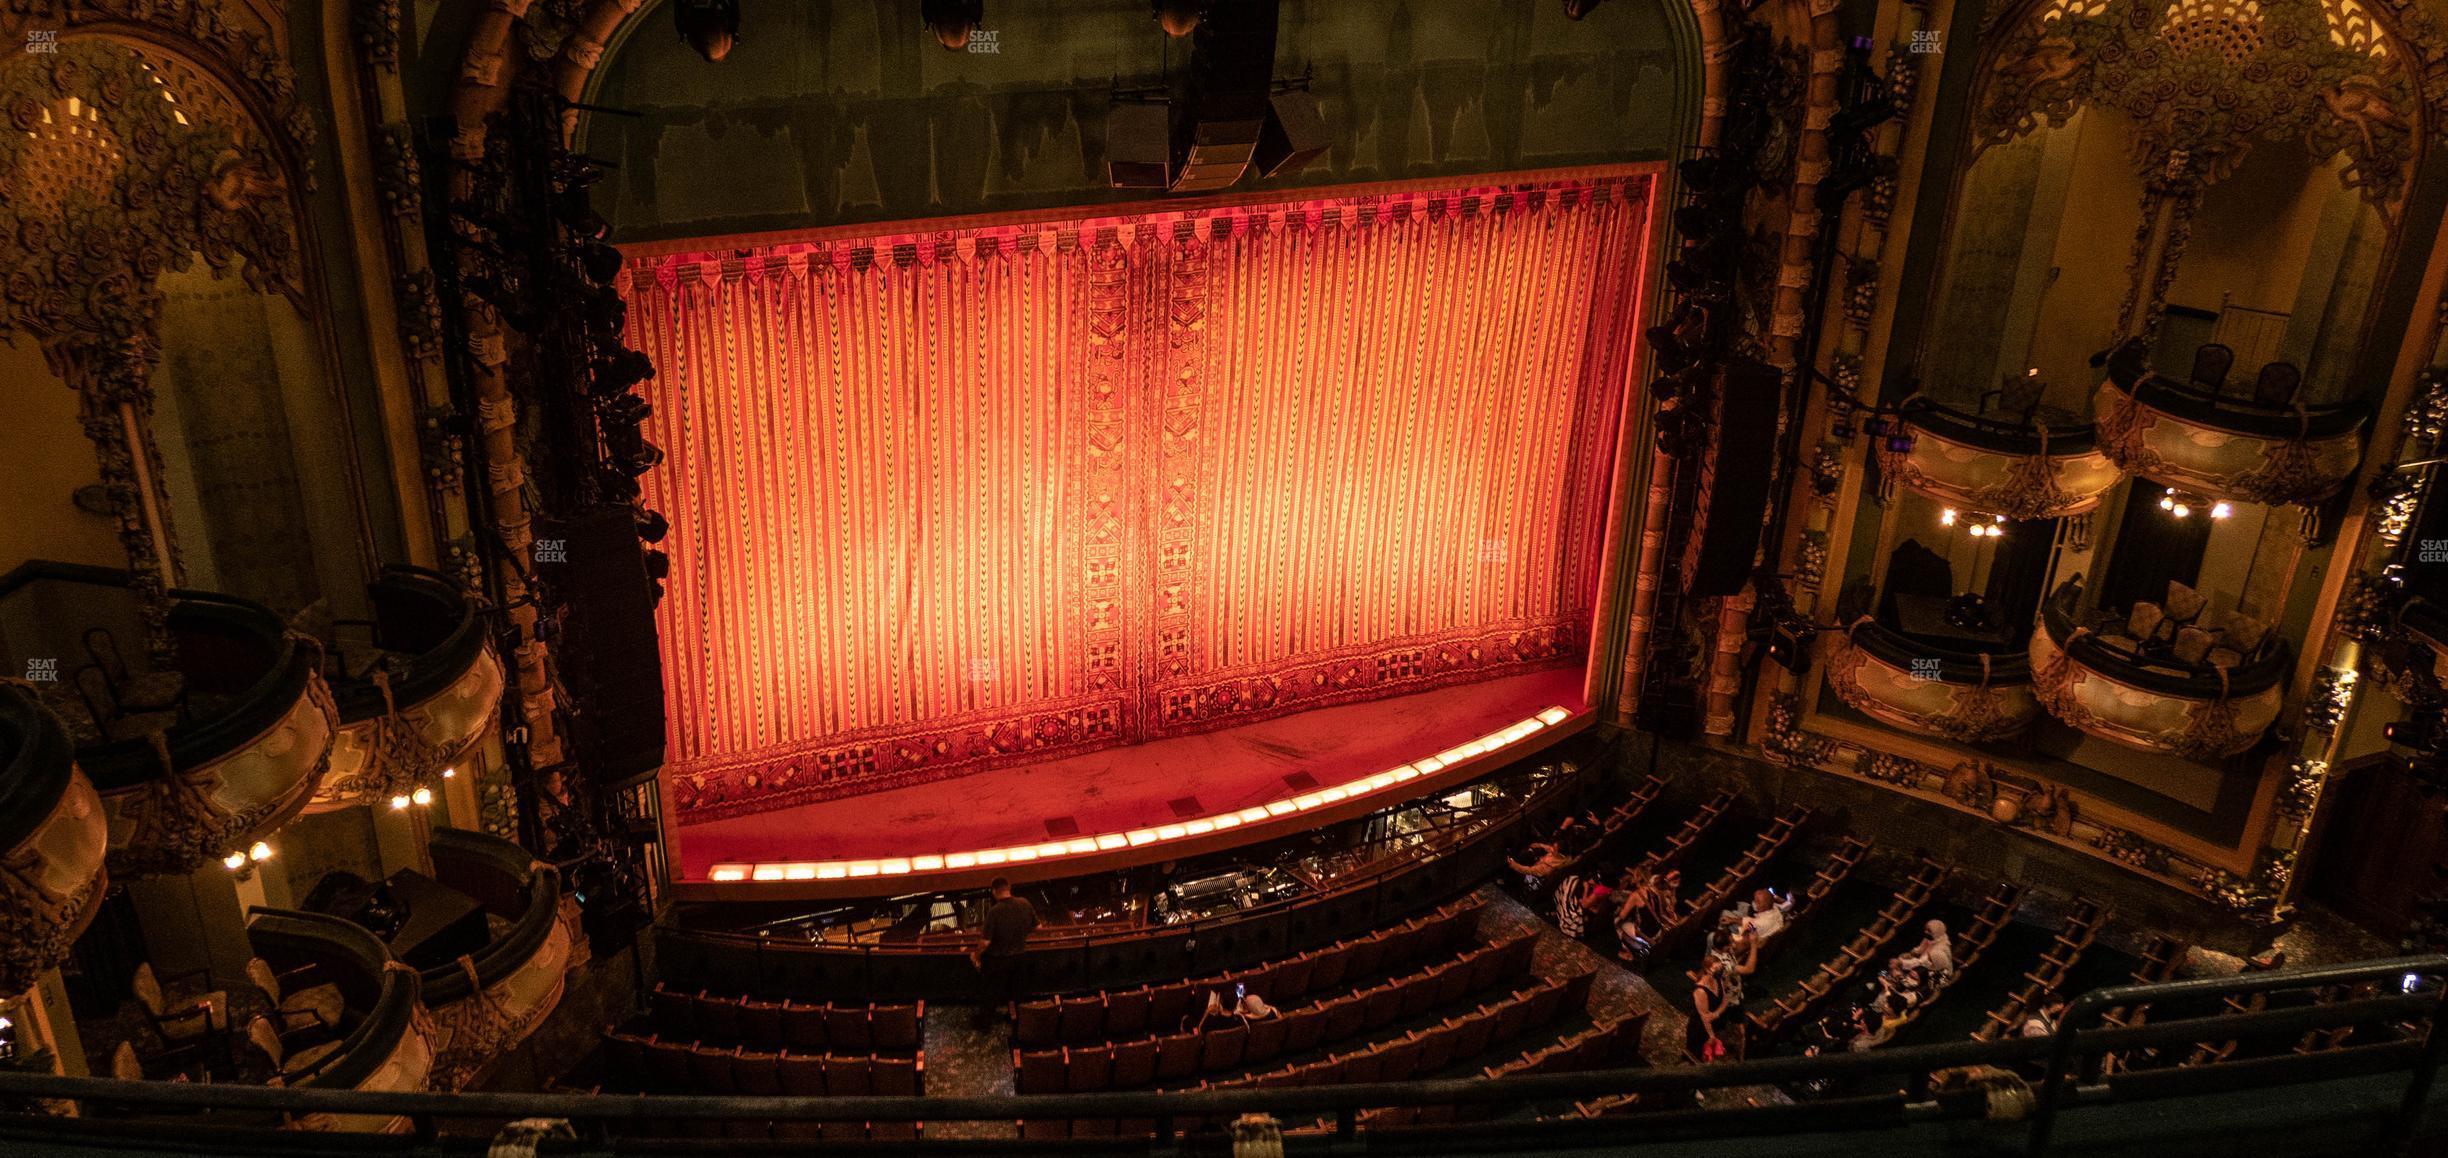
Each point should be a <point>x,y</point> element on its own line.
<point>1156,783</point>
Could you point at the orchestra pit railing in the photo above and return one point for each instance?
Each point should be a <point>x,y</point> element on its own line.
<point>2382,1091</point>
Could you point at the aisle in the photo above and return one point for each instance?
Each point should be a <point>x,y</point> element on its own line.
<point>965,1058</point>
<point>1615,991</point>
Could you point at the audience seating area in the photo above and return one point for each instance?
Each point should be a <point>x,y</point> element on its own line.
<point>1865,948</point>
<point>1192,1052</point>
<point>1103,1015</point>
<point>1680,844</point>
<point>1735,883</point>
<point>848,1027</point>
<point>2048,976</point>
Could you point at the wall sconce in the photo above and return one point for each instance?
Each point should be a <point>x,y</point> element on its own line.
<point>2181,504</point>
<point>1994,527</point>
<point>243,863</point>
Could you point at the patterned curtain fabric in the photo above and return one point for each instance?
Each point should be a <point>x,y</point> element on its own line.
<point>950,501</point>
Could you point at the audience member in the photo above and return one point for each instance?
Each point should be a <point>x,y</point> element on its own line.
<point>1009,921</point>
<point>1769,909</point>
<point>1576,897</point>
<point>1254,1008</point>
<point>1935,953</point>
<point>2043,1022</point>
<point>1539,862</point>
<point>1710,1005</point>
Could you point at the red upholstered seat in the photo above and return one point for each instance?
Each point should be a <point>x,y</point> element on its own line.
<point>717,1020</point>
<point>895,1027</point>
<point>667,1066</point>
<point>1266,1039</point>
<point>1543,1004</point>
<point>1367,954</point>
<point>757,1072</point>
<point>1223,1048</point>
<point>1034,1023</point>
<point>846,1029</point>
<point>1384,1005</point>
<point>1361,1067</point>
<point>1397,1060</point>
<point>1045,1129</point>
<point>1436,1048</point>
<point>1470,1033</point>
<point>1453,981</point>
<point>1574,993</point>
<point>1092,1128</point>
<point>625,1059</point>
<point>1304,1028</point>
<point>1134,1063</point>
<point>1346,1016</point>
<point>1081,1019</point>
<point>675,1014</point>
<point>709,1070</point>
<point>760,1024</point>
<point>803,1074</point>
<point>1177,1056</point>
<point>1329,967</point>
<point>884,1131</point>
<point>1419,991</point>
<point>1040,1071</point>
<point>1291,978</point>
<point>897,1077</point>
<point>849,1076</point>
<point>1512,1015</point>
<point>803,1026</point>
<point>1170,1005</point>
<point>1087,1068</point>
<point>1126,1013</point>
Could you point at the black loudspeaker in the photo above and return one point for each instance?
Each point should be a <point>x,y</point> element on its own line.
<point>1730,505</point>
<point>1669,709</point>
<point>608,659</point>
<point>1139,146</point>
<point>1295,134</point>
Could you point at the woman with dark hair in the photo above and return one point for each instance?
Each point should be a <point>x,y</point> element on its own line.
<point>1711,1006</point>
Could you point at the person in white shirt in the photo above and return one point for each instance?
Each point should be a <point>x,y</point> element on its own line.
<point>1768,913</point>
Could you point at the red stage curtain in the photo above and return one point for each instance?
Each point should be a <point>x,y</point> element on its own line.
<point>946,501</point>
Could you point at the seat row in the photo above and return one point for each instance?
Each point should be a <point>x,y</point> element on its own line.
<point>1176,1056</point>
<point>1679,843</point>
<point>848,1027</point>
<point>1839,971</point>
<point>2048,975</point>
<point>652,1065</point>
<point>1611,1044</point>
<point>1426,1051</point>
<point>1417,1054</point>
<point>1088,1018</point>
<point>1732,884</point>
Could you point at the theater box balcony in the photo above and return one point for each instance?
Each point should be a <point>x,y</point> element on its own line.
<point>196,753</point>
<point>2022,470</point>
<point>487,1002</point>
<point>416,698</point>
<point>2095,677</point>
<point>383,1039</point>
<point>52,831</point>
<point>2195,438</point>
<point>1934,690</point>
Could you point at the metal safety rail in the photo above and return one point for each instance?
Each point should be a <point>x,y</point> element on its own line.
<point>1923,1084</point>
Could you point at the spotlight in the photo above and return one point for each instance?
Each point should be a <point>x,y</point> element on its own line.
<point>1664,387</point>
<point>1694,221</point>
<point>1701,172</point>
<point>651,527</point>
<point>1685,276</point>
<point>616,374</point>
<point>601,262</point>
<point>709,26</point>
<point>952,20</point>
<point>1180,17</point>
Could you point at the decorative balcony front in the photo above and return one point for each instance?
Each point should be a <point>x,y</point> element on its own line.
<point>2247,448</point>
<point>195,754</point>
<point>52,877</point>
<point>2096,676</point>
<point>1966,696</point>
<point>487,1002</point>
<point>383,1040</point>
<point>2031,470</point>
<point>417,699</point>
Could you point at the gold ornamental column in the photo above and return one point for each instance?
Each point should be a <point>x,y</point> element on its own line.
<point>113,378</point>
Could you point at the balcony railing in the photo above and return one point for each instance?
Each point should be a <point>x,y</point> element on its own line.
<point>387,1046</point>
<point>2100,684</point>
<point>487,1002</point>
<point>2192,438</point>
<point>51,830</point>
<point>196,758</point>
<point>2378,1095</point>
<point>425,700</point>
<point>1966,696</point>
<point>2035,470</point>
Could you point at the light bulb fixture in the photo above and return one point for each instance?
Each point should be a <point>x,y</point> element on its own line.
<point>2167,502</point>
<point>399,803</point>
<point>2222,509</point>
<point>448,773</point>
<point>2182,511</point>
<point>258,851</point>
<point>421,797</point>
<point>1946,518</point>
<point>234,861</point>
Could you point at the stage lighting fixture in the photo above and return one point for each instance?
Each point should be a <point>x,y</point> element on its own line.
<point>711,27</point>
<point>1694,221</point>
<point>1180,17</point>
<point>952,20</point>
<point>626,410</point>
<point>616,374</point>
<point>652,526</point>
<point>600,262</point>
<point>1702,172</point>
<point>1664,387</point>
<point>658,565</point>
<point>606,313</point>
<point>1685,276</point>
<point>1671,352</point>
